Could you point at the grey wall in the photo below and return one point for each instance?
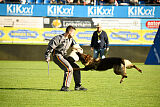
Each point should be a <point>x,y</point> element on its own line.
<point>36,52</point>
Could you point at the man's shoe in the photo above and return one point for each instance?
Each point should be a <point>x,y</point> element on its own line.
<point>79,88</point>
<point>64,89</point>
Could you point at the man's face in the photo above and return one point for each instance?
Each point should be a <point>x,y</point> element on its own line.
<point>99,29</point>
<point>71,33</point>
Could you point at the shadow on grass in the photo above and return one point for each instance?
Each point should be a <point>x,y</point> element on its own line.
<point>27,69</point>
<point>29,89</point>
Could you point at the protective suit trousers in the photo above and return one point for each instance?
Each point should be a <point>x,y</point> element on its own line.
<point>68,66</point>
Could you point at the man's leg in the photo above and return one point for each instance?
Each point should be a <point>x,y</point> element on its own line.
<point>95,53</point>
<point>76,75</point>
<point>68,70</point>
<point>77,78</point>
<point>102,53</point>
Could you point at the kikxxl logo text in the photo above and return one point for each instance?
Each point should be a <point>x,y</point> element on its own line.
<point>100,11</point>
<point>141,11</point>
<point>54,10</point>
<point>15,9</point>
<point>152,24</point>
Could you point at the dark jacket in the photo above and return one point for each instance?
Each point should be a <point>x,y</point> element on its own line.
<point>103,38</point>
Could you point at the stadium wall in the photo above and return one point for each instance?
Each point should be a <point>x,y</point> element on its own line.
<point>36,52</point>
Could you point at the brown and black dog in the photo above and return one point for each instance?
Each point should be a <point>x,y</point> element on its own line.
<point>119,65</point>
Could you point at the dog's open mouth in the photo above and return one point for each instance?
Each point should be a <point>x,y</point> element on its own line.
<point>85,59</point>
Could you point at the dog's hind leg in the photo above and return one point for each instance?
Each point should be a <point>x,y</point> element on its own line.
<point>137,68</point>
<point>123,73</point>
<point>82,69</point>
<point>122,79</point>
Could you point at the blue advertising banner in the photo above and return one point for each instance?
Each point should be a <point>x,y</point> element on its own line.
<point>80,11</point>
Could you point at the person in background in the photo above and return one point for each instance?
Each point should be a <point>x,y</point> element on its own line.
<point>77,1</point>
<point>99,42</point>
<point>58,47</point>
<point>154,2</point>
<point>1,1</point>
<point>23,1</point>
<point>133,2</point>
<point>69,1</point>
<point>53,2</point>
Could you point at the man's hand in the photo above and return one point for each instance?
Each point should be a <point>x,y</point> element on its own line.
<point>47,59</point>
<point>91,49</point>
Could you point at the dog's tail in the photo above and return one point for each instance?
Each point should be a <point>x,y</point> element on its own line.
<point>82,69</point>
<point>77,69</point>
<point>137,68</point>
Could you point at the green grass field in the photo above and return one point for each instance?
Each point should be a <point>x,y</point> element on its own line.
<point>26,84</point>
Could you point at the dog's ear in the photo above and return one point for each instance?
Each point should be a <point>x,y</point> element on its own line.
<point>80,56</point>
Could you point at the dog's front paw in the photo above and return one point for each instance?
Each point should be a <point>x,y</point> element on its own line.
<point>140,71</point>
<point>122,78</point>
<point>121,81</point>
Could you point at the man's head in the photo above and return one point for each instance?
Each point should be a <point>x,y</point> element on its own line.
<point>70,30</point>
<point>99,27</point>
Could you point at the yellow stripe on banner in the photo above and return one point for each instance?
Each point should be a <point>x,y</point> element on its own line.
<point>66,67</point>
<point>82,35</point>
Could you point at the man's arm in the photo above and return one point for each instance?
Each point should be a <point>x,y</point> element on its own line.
<point>53,43</point>
<point>73,42</point>
<point>92,41</point>
<point>48,53</point>
<point>106,41</point>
